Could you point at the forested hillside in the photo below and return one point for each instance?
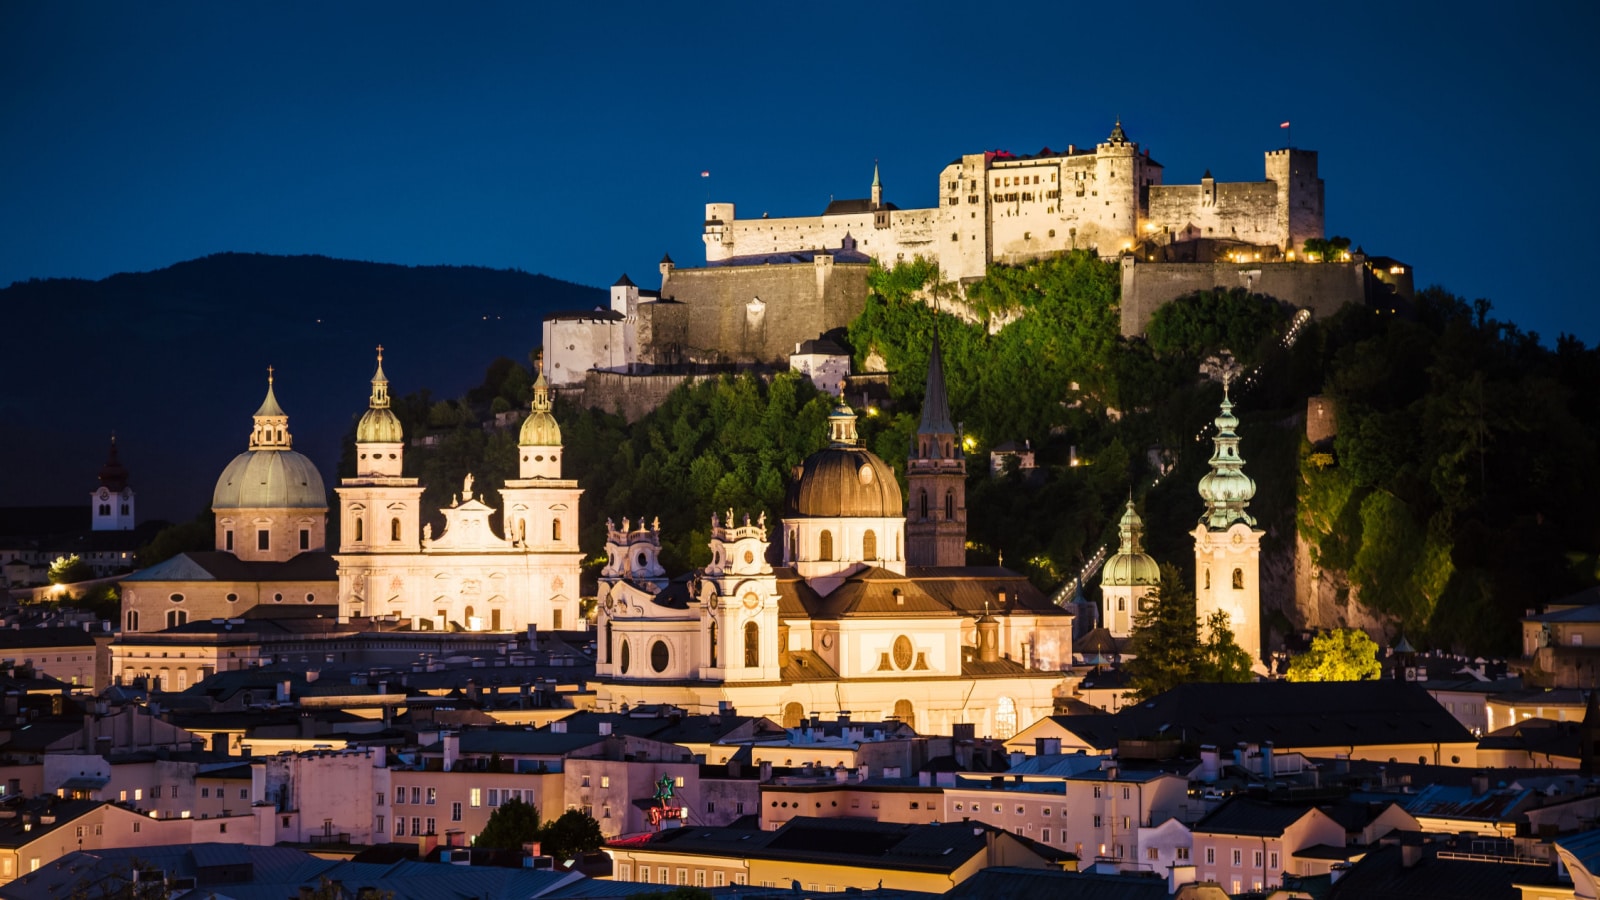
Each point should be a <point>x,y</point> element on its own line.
<point>1460,488</point>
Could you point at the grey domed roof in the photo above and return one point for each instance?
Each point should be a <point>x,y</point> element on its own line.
<point>270,479</point>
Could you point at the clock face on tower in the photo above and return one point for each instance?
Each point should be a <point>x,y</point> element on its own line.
<point>105,494</point>
<point>751,601</point>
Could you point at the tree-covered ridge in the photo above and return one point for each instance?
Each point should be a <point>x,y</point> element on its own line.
<point>1461,488</point>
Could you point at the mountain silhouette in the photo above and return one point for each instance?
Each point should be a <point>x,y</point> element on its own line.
<point>174,362</point>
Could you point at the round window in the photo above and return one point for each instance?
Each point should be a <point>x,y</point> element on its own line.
<point>176,598</point>
<point>866,474</point>
<point>311,598</point>
<point>902,652</point>
<point>749,557</point>
<point>659,656</point>
<point>622,665</point>
<point>233,598</point>
<point>277,598</point>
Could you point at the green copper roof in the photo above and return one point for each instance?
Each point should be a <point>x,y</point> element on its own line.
<point>269,406</point>
<point>1130,564</point>
<point>1226,489</point>
<point>379,425</point>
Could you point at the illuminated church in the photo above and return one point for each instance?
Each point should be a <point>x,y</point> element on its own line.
<point>872,610</point>
<point>271,512</point>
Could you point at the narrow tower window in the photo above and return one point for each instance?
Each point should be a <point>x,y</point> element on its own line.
<point>1238,579</point>
<point>359,533</point>
<point>752,645</point>
<point>949,506</point>
<point>923,495</point>
<point>555,530</point>
<point>869,545</point>
<point>394,529</point>
<point>825,548</point>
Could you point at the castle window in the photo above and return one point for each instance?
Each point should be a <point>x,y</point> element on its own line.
<point>923,500</point>
<point>394,529</point>
<point>949,505</point>
<point>869,545</point>
<point>133,620</point>
<point>825,548</point>
<point>752,645</point>
<point>359,531</point>
<point>305,539</point>
<point>263,539</point>
<point>1238,579</point>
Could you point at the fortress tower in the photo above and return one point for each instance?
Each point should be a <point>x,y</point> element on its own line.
<point>936,480</point>
<point>1227,545</point>
<point>1299,206</point>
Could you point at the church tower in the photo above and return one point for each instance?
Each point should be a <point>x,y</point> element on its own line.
<point>1227,545</point>
<point>739,628</point>
<point>379,510</point>
<point>1129,579</point>
<point>541,513</point>
<point>112,502</point>
<point>936,480</point>
<point>877,188</point>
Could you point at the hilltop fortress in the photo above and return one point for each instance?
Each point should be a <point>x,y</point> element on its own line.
<point>997,207</point>
<point>771,285</point>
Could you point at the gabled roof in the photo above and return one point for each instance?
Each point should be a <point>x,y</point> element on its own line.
<point>1244,816</point>
<point>850,207</point>
<point>878,593</point>
<point>218,565</point>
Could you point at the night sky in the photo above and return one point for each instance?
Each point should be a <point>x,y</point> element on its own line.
<point>569,139</point>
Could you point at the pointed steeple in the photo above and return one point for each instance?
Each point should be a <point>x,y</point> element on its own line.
<point>935,401</point>
<point>1226,488</point>
<point>271,430</point>
<point>877,187</point>
<point>380,385</point>
<point>1118,136</point>
<point>113,474</point>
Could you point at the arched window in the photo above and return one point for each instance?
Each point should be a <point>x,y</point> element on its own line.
<point>752,645</point>
<point>359,531</point>
<point>793,714</point>
<point>623,666</point>
<point>466,618</point>
<point>394,529</point>
<point>608,642</point>
<point>1238,579</point>
<point>1208,579</point>
<point>923,502</point>
<point>949,506</point>
<point>825,545</point>
<point>905,712</point>
<point>555,529</point>
<point>176,617</point>
<point>869,545</point>
<point>133,620</point>
<point>1005,718</point>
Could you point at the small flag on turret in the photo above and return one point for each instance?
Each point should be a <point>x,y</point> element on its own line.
<point>705,174</point>
<point>1284,125</point>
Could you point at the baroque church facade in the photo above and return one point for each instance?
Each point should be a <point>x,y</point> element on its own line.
<point>871,610</point>
<point>271,556</point>
<point>468,576</point>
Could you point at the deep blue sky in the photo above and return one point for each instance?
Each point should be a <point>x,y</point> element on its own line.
<point>568,138</point>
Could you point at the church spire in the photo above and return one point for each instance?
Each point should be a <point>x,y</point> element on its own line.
<point>379,425</point>
<point>1226,489</point>
<point>935,401</point>
<point>877,187</point>
<point>380,385</point>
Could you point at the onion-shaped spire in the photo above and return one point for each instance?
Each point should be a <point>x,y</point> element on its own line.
<point>1226,488</point>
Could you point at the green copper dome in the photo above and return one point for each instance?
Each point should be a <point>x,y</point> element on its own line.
<point>1226,489</point>
<point>1131,565</point>
<point>379,425</point>
<point>539,429</point>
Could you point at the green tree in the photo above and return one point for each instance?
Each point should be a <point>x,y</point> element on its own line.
<point>575,832</point>
<point>69,570</point>
<point>1168,648</point>
<point>513,824</point>
<point>1343,654</point>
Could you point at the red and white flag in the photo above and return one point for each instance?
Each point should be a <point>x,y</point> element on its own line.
<point>1284,125</point>
<point>705,173</point>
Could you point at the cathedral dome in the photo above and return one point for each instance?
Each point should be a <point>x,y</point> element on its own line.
<point>844,480</point>
<point>270,479</point>
<point>270,475</point>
